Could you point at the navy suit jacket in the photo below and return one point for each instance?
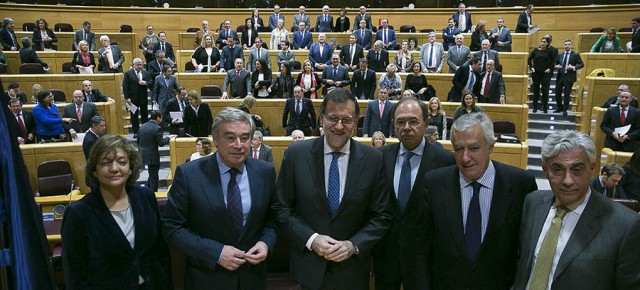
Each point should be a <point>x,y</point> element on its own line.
<point>5,39</point>
<point>391,38</point>
<point>342,76</point>
<point>574,60</point>
<point>364,38</point>
<point>97,255</point>
<point>618,191</point>
<point>322,26</point>
<point>467,17</point>
<point>168,50</point>
<point>196,200</point>
<point>315,57</point>
<point>229,55</point>
<point>300,42</point>
<point>363,86</point>
<point>373,122</point>
<point>523,24</point>
<point>149,139</point>
<point>273,22</point>
<point>222,35</point>
<point>304,121</point>
<point>448,36</point>
<point>611,120</point>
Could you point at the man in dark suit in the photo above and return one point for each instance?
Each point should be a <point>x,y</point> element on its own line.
<point>449,33</point>
<point>363,82</point>
<point>257,52</point>
<point>110,56</point>
<point>406,163</point>
<point>619,116</point>
<point>613,101</point>
<point>229,254</point>
<point>607,182</point>
<point>260,150</point>
<point>81,112</point>
<point>351,54</point>
<point>462,18</point>
<point>491,85</point>
<point>14,91</point>
<point>572,237</point>
<point>8,36</point>
<point>149,139</point>
<point>85,34</point>
<point>364,35</point>
<point>500,37</point>
<point>239,82</point>
<point>164,88</point>
<point>362,16</point>
<point>320,53</point>
<point>29,55</point>
<point>472,214</point>
<point>467,77</point>
<point>485,54</point>
<point>332,201</point>
<point>300,113</point>
<point>176,104</point>
<point>134,87</point>
<point>386,35</point>
<point>229,54</point>
<point>98,128</point>
<point>163,45</point>
<point>300,17</point>
<point>524,20</point>
<point>225,33</point>
<point>378,115</point>
<point>635,36</point>
<point>155,67</point>
<point>25,122</point>
<point>324,22</point>
<point>301,38</point>
<point>92,95</point>
<point>273,18</point>
<point>567,64</point>
<point>378,58</point>
<point>334,76</point>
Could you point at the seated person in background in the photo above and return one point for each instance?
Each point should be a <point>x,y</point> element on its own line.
<point>238,81</point>
<point>608,42</point>
<point>166,47</point>
<point>607,183</point>
<point>413,44</point>
<point>334,44</point>
<point>176,104</point>
<point>378,140</point>
<point>48,121</point>
<point>619,116</point>
<point>110,56</point>
<point>297,136</point>
<point>81,111</point>
<point>29,55</point>
<point>43,37</point>
<point>260,150</point>
<point>155,66</point>
<point>13,91</point>
<point>432,136</point>
<point>613,101</point>
<point>392,82</point>
<point>203,148</point>
<point>82,59</point>
<point>92,95</point>
<point>24,120</point>
<point>467,106</point>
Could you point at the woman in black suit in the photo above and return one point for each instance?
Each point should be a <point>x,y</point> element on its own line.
<point>82,58</point>
<point>257,22</point>
<point>309,81</point>
<point>342,22</point>
<point>283,85</point>
<point>541,62</point>
<point>197,116</point>
<point>247,41</point>
<point>261,79</point>
<point>112,238</point>
<point>43,37</point>
<point>478,35</point>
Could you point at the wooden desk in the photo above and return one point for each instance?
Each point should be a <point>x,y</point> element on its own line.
<point>55,60</point>
<point>625,65</point>
<point>585,41</point>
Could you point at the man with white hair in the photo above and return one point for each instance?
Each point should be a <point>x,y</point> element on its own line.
<point>297,136</point>
<point>362,16</point>
<point>458,54</point>
<point>485,54</point>
<point>378,57</point>
<point>324,22</point>
<point>110,56</point>
<point>134,87</point>
<point>320,53</point>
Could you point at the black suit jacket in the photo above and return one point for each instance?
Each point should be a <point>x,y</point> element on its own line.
<point>616,192</point>
<point>5,39</point>
<point>611,120</point>
<point>168,50</point>
<point>29,125</point>
<point>77,60</point>
<point>38,44</point>
<point>363,217</point>
<point>345,57</point>
<point>467,16</point>
<point>149,139</point>
<point>173,106</point>
<point>198,125</point>
<point>459,82</point>
<point>133,90</point>
<point>363,86</point>
<point>97,255</point>
<point>496,87</point>
<point>303,121</point>
<point>635,41</point>
<point>228,56</point>
<point>374,63</point>
<point>80,126</point>
<point>87,143</point>
<point>445,260</point>
<point>195,200</point>
<point>245,37</point>
<point>574,60</point>
<point>29,55</point>
<point>155,69</point>
<point>523,24</point>
<point>96,96</point>
<point>602,252</point>
<point>394,255</point>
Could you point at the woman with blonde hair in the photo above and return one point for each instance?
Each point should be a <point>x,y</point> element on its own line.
<point>82,59</point>
<point>308,80</point>
<point>378,140</point>
<point>437,117</point>
<point>206,58</point>
<point>608,42</point>
<point>478,35</point>
<point>278,35</point>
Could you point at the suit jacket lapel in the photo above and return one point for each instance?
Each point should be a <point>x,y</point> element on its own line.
<point>316,165</point>
<point>212,190</point>
<point>501,203</point>
<point>588,226</point>
<point>255,184</point>
<point>104,216</point>
<point>453,209</point>
<point>141,222</point>
<point>540,212</point>
<point>354,171</point>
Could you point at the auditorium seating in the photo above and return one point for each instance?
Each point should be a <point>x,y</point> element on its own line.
<point>56,60</point>
<point>55,178</point>
<point>596,91</point>
<point>584,41</point>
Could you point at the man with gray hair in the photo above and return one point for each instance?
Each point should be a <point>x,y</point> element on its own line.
<point>432,136</point>
<point>378,57</point>
<point>607,182</point>
<point>432,55</point>
<point>485,54</point>
<point>472,213</point>
<point>260,150</point>
<point>8,36</point>
<point>297,135</point>
<point>110,56</point>
<point>98,128</point>
<point>614,100</point>
<point>571,236</point>
<point>134,87</point>
<point>234,191</point>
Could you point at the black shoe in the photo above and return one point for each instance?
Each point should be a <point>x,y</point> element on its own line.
<point>564,113</point>
<point>558,110</point>
<point>544,110</point>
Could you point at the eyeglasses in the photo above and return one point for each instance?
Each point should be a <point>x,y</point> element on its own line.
<point>412,123</point>
<point>345,121</point>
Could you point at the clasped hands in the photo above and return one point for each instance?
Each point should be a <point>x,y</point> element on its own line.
<point>232,258</point>
<point>620,138</point>
<point>331,249</point>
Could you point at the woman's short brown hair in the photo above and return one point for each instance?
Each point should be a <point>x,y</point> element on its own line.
<point>109,144</point>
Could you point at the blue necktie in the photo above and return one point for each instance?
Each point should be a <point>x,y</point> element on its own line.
<point>234,202</point>
<point>404,186</point>
<point>473,234</point>
<point>335,72</point>
<point>430,55</point>
<point>334,184</point>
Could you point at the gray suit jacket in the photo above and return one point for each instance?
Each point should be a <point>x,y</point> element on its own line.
<point>602,252</point>
<point>505,37</point>
<point>286,58</point>
<point>253,56</point>
<point>118,58</point>
<point>162,92</point>
<point>297,20</point>
<point>438,49</point>
<point>266,153</point>
<point>240,86</point>
<point>455,59</point>
<point>367,20</point>
<point>78,36</point>
<point>149,139</point>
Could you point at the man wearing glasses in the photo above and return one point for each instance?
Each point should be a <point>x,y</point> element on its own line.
<point>614,101</point>
<point>332,200</point>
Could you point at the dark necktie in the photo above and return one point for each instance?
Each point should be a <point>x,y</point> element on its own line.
<point>237,75</point>
<point>486,85</point>
<point>298,107</point>
<point>484,61</point>
<point>335,72</point>
<point>564,62</point>
<point>431,56</point>
<point>234,202</point>
<point>378,56</point>
<point>162,48</point>
<point>89,97</point>
<point>623,117</point>
<point>404,186</point>
<point>473,233</point>
<point>23,129</point>
<point>334,184</point>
